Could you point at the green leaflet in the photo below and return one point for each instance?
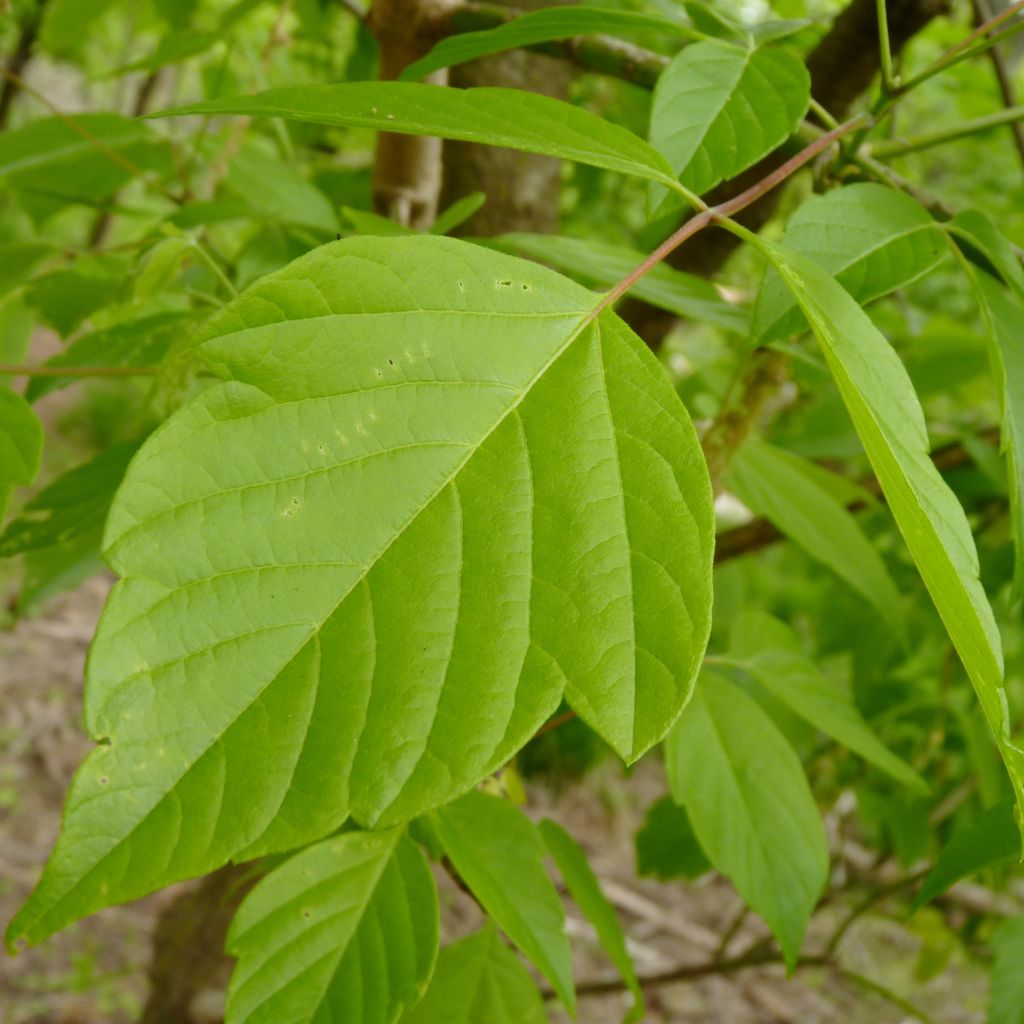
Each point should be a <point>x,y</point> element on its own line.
<point>542,27</point>
<point>499,854</point>
<point>477,980</point>
<point>586,891</point>
<point>990,838</point>
<point>751,808</point>
<point>345,930</point>
<point>50,156</point>
<point>21,444</point>
<point>602,263</point>
<point>873,239</point>
<point>771,652</point>
<point>887,416</point>
<point>974,232</point>
<point>1007,1005</point>
<point>495,117</point>
<point>718,108</point>
<point>18,260</point>
<point>666,846</point>
<point>425,458</point>
<point>779,486</point>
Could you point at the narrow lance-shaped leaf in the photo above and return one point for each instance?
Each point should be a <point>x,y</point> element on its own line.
<point>542,27</point>
<point>771,652</point>
<point>345,930</point>
<point>425,458</point>
<point>745,792</point>
<point>490,116</point>
<point>887,416</point>
<point>719,107</point>
<point>479,979</point>
<point>871,238</point>
<point>778,485</point>
<point>586,891</point>
<point>499,854</point>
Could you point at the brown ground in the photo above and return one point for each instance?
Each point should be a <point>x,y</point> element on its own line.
<point>95,971</point>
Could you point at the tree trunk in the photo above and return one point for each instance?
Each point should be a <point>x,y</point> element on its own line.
<point>407,168</point>
<point>523,189</point>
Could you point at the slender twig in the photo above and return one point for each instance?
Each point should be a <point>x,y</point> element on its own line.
<point>214,266</point>
<point>28,370</point>
<point>885,49</point>
<point>914,143</point>
<point>976,42</point>
<point>724,211</point>
<point>983,12</point>
<point>553,723</point>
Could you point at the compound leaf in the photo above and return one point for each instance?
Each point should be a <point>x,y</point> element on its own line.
<point>345,930</point>
<point>751,808</point>
<point>428,500</point>
<point>499,854</point>
<point>490,116</point>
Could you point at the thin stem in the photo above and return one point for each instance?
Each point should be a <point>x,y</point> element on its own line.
<point>205,256</point>
<point>912,144</point>
<point>885,49</point>
<point>968,47</point>
<point>982,12</point>
<point>27,370</point>
<point>98,144</point>
<point>722,213</point>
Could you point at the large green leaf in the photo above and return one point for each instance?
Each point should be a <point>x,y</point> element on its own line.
<point>499,854</point>
<point>887,416</point>
<point>21,444</point>
<point>974,233</point>
<point>479,980</point>
<point>745,792</point>
<point>430,498</point>
<point>604,263</point>
<point>345,930</point>
<point>718,108</point>
<point>586,891</point>
<point>1007,1004</point>
<point>491,116</point>
<point>543,26</point>
<point>989,839</point>
<point>781,487</point>
<point>771,652</point>
<point>871,238</point>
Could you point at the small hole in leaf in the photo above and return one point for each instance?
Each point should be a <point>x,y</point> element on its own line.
<point>526,287</point>
<point>391,362</point>
<point>502,284</point>
<point>103,780</point>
